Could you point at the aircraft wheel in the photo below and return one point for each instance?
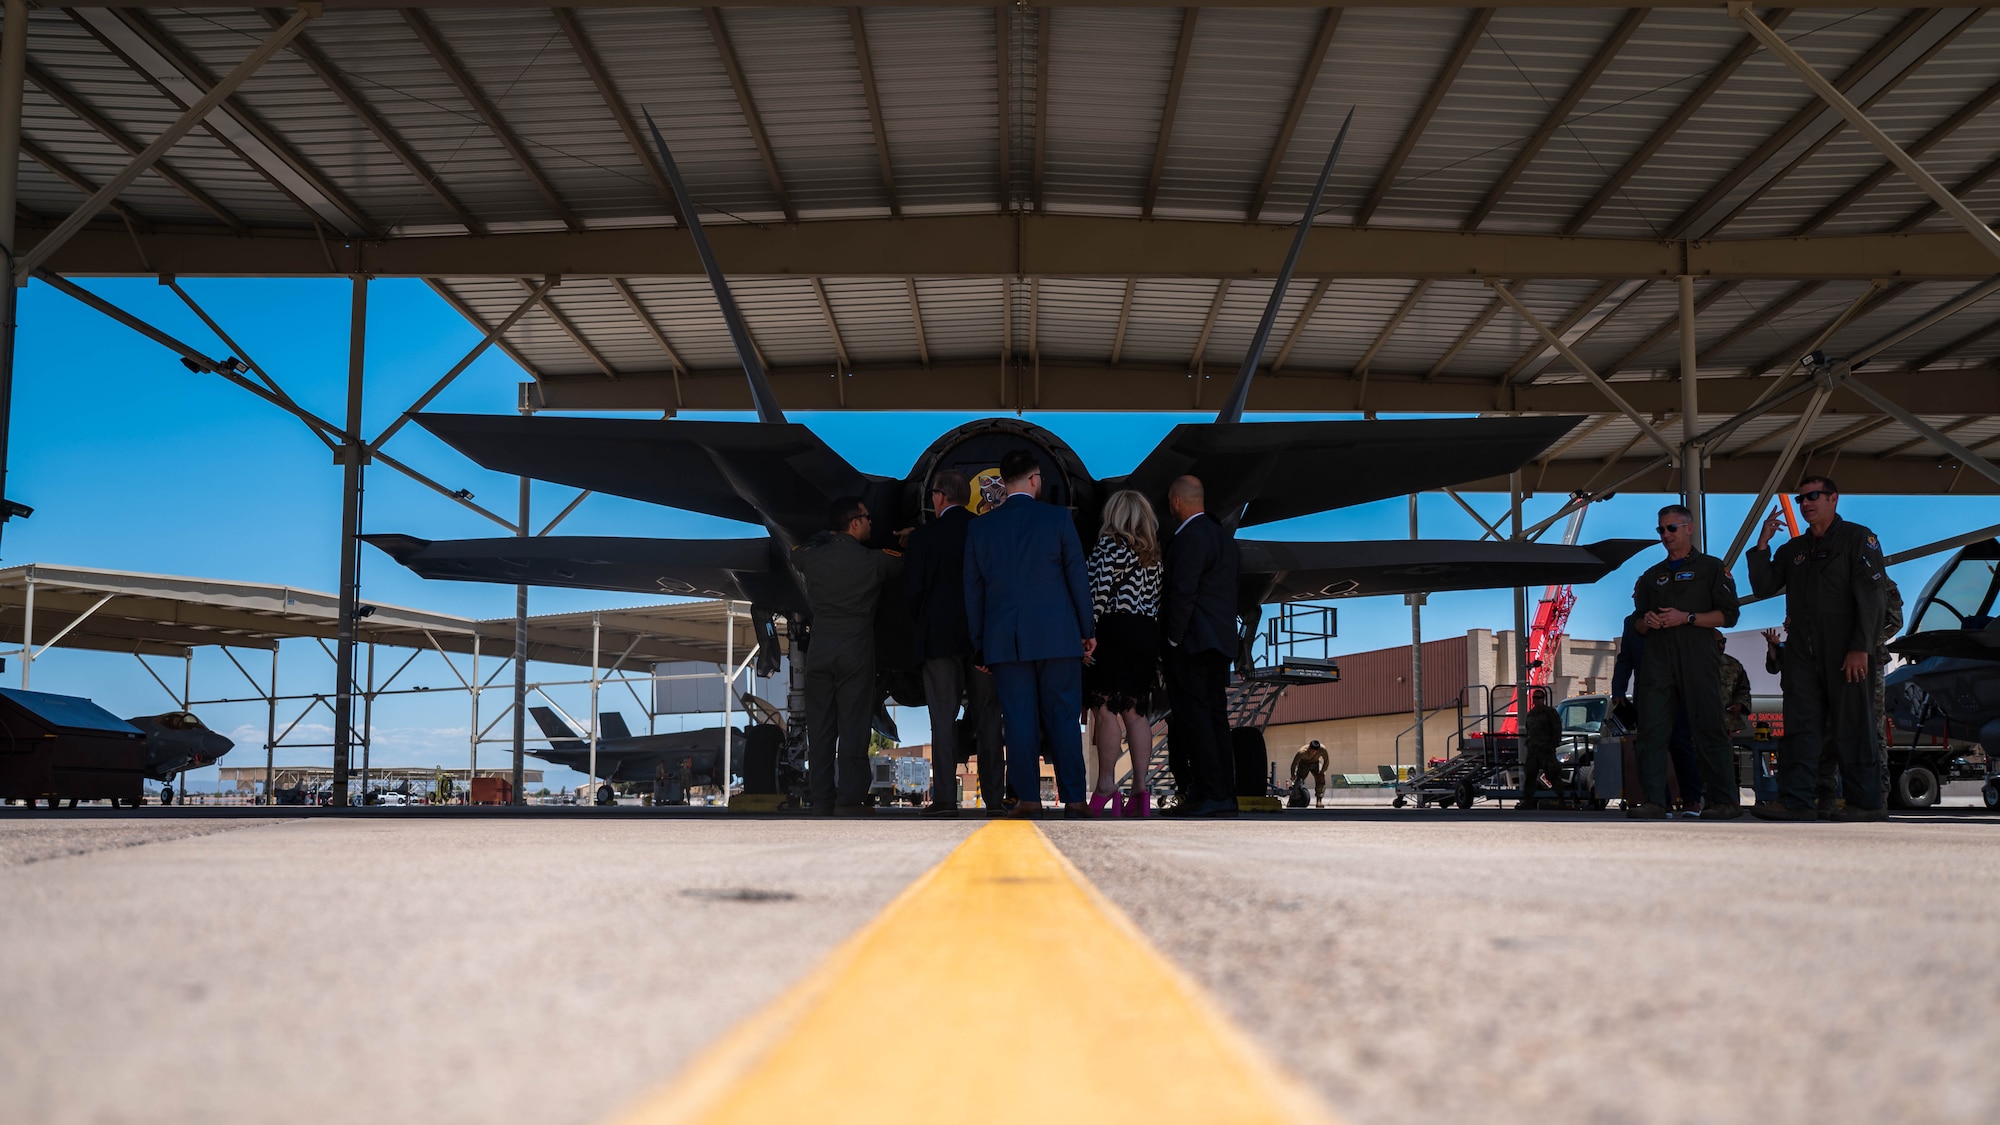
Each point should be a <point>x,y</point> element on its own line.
<point>1990,792</point>
<point>166,794</point>
<point>1917,788</point>
<point>604,795</point>
<point>1399,802</point>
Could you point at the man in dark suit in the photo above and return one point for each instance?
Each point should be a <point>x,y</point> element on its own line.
<point>1198,622</point>
<point>934,595</point>
<point>844,580</point>
<point>1027,604</point>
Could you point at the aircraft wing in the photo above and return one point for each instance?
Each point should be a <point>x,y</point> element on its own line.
<point>1408,566</point>
<point>1285,469</point>
<point>1953,644</point>
<point>778,474</point>
<point>706,568</point>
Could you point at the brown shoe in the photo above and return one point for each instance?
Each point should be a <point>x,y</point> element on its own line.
<point>1024,810</point>
<point>1076,810</point>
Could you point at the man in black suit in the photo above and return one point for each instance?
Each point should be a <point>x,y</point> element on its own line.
<point>934,595</point>
<point>1198,622</point>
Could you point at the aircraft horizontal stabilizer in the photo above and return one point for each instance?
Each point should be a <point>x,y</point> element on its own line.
<point>1302,571</point>
<point>704,568</point>
<point>778,474</point>
<point>1277,470</point>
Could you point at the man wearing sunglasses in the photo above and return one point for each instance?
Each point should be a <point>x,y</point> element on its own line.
<point>1681,602</point>
<point>1833,580</point>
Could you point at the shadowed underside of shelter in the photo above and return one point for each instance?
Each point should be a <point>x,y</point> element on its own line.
<point>968,207</point>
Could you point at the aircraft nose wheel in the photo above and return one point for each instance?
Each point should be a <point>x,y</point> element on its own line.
<point>1990,793</point>
<point>166,794</point>
<point>604,795</point>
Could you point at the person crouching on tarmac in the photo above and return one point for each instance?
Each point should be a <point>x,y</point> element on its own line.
<point>1683,600</point>
<point>1832,578</point>
<point>1311,760</point>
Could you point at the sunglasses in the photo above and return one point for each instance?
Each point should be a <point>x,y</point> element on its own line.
<point>1666,527</point>
<point>1816,494</point>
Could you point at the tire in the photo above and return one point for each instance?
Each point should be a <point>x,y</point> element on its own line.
<point>1917,788</point>
<point>166,794</point>
<point>1399,802</point>
<point>605,796</point>
<point>1990,792</point>
<point>1466,796</point>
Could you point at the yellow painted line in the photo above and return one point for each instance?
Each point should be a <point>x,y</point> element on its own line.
<point>1000,986</point>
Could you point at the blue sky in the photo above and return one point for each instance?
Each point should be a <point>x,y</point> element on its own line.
<point>133,463</point>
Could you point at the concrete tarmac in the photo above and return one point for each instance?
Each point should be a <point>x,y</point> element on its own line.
<point>396,965</point>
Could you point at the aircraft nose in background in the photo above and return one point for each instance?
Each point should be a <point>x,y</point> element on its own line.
<point>214,745</point>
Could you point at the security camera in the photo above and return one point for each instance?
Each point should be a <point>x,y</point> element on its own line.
<point>362,611</point>
<point>1814,359</point>
<point>12,510</point>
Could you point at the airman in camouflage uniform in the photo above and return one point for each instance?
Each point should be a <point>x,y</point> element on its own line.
<point>1735,692</point>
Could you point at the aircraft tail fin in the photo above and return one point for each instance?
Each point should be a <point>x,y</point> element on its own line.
<point>558,733</point>
<point>611,724</point>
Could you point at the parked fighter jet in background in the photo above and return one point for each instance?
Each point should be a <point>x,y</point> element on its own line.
<point>671,761</point>
<point>178,741</point>
<point>1950,687</point>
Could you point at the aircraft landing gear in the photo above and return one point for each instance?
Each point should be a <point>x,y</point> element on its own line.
<point>605,796</point>
<point>166,794</point>
<point>1990,793</point>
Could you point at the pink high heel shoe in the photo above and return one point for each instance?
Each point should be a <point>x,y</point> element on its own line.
<point>1138,806</point>
<point>1098,801</point>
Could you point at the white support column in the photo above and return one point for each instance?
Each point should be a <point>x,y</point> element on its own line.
<point>596,632</point>
<point>1691,451</point>
<point>728,691</point>
<point>1520,612</point>
<point>271,727</point>
<point>1416,603</point>
<point>28,630</point>
<point>472,766</point>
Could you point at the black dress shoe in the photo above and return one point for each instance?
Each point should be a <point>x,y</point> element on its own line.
<point>1853,815</point>
<point>1721,812</point>
<point>940,810</point>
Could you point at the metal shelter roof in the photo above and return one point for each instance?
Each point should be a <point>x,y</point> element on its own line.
<point>1053,206</point>
<point>164,615</point>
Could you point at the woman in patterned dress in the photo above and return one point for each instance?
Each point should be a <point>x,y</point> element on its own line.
<point>1122,679</point>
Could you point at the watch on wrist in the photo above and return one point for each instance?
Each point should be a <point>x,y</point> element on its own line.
<point>1690,617</point>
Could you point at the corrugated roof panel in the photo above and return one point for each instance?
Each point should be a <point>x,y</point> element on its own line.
<point>1242,72</point>
<point>663,61</point>
<point>292,101</point>
<point>800,65</point>
<point>1759,99</point>
<point>1167,315</point>
<point>785,318</point>
<point>874,318</point>
<point>386,64</point>
<point>685,310</point>
<point>1237,322</point>
<point>1347,321</point>
<point>602,317</point>
<point>103,82</point>
<point>85,151</point>
<point>1963,70</point>
<point>535,336</point>
<point>1523,65</point>
<point>1108,76</point>
<point>1506,337</point>
<point>961,316</point>
<point>524,64</point>
<point>1666,59</point>
<point>1079,316</point>
<point>1381,63</point>
<point>935,75</point>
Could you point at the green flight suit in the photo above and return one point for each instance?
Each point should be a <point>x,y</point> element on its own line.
<point>1833,587</point>
<point>1892,623</point>
<point>843,582</point>
<point>1683,669</point>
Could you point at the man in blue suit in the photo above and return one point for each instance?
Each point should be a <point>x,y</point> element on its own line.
<point>1027,604</point>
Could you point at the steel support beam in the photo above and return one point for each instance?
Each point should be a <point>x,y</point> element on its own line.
<point>13,75</point>
<point>26,264</point>
<point>520,709</point>
<point>1938,438</point>
<point>353,452</point>
<point>1691,451</point>
<point>535,296</point>
<point>1299,326</point>
<point>1584,369</point>
<point>1973,224</point>
<point>1020,245</point>
<point>858,27</point>
<point>1091,384</point>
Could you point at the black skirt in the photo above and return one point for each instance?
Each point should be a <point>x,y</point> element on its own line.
<point>1125,672</point>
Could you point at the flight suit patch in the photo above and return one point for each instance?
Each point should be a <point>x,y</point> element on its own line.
<point>1660,581</point>
<point>1684,576</point>
<point>1873,545</point>
<point>1799,559</point>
